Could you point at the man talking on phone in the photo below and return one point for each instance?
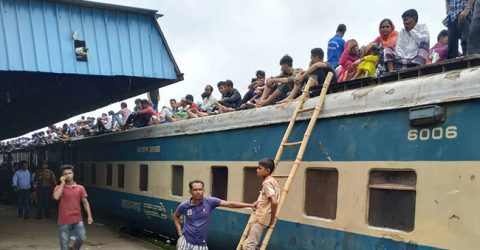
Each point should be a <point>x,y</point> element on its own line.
<point>71,230</point>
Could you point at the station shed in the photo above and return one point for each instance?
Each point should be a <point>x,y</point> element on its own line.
<point>60,58</point>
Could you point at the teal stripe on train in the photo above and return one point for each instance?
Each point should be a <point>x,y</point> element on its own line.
<point>380,136</point>
<point>226,227</point>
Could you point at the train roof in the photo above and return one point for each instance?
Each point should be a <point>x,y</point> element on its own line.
<point>456,80</point>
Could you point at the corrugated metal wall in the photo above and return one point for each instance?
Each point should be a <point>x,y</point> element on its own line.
<point>38,36</point>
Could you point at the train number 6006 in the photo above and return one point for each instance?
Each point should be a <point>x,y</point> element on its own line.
<point>437,133</point>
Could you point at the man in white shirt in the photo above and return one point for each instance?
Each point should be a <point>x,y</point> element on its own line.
<point>413,44</point>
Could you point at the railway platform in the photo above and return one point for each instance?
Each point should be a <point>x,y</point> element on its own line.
<point>19,233</point>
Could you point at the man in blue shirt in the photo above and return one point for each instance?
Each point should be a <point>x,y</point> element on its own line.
<point>335,46</point>
<point>197,213</point>
<point>22,184</point>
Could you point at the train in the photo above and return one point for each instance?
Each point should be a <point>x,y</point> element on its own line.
<point>393,163</point>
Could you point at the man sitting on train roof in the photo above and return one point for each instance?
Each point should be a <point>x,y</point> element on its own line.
<point>281,85</point>
<point>208,101</point>
<point>173,105</point>
<point>120,117</point>
<point>167,114</point>
<point>192,107</point>
<point>318,70</point>
<point>100,127</point>
<point>138,104</point>
<point>255,88</point>
<point>141,118</point>
<point>207,105</point>
<point>72,131</point>
<point>81,121</point>
<point>231,98</point>
<point>413,44</point>
<point>164,115</point>
<point>181,112</point>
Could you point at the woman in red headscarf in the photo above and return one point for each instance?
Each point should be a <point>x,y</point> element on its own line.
<point>388,34</point>
<point>348,61</point>
<point>388,38</point>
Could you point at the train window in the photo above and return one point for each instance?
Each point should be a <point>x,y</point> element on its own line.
<point>392,197</point>
<point>177,180</point>
<point>109,174</point>
<point>93,174</point>
<point>220,182</point>
<point>251,184</point>
<point>321,188</point>
<point>143,177</point>
<point>121,176</point>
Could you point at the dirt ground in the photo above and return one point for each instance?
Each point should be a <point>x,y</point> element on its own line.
<point>18,233</point>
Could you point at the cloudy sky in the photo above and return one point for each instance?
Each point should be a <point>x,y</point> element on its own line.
<point>230,39</point>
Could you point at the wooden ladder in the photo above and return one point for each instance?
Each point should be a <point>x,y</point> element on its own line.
<point>303,144</point>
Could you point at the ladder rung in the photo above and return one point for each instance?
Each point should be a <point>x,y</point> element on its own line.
<point>306,110</point>
<point>291,144</point>
<point>280,176</point>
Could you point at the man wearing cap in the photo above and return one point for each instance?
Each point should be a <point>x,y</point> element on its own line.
<point>44,180</point>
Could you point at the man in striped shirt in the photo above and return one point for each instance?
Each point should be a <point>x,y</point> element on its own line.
<point>459,16</point>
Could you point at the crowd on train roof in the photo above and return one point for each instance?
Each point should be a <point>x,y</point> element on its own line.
<point>391,51</point>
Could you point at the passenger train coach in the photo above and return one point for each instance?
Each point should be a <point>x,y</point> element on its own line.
<point>388,166</point>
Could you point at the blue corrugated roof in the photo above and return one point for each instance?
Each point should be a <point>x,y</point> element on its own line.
<point>127,55</point>
<point>37,36</point>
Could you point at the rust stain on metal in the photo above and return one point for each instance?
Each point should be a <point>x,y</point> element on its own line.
<point>390,91</point>
<point>359,93</point>
<point>453,75</point>
<point>454,216</point>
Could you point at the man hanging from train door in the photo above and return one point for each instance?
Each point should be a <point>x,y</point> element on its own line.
<point>197,213</point>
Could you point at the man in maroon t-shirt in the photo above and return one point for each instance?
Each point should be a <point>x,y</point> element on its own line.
<point>141,118</point>
<point>70,221</point>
